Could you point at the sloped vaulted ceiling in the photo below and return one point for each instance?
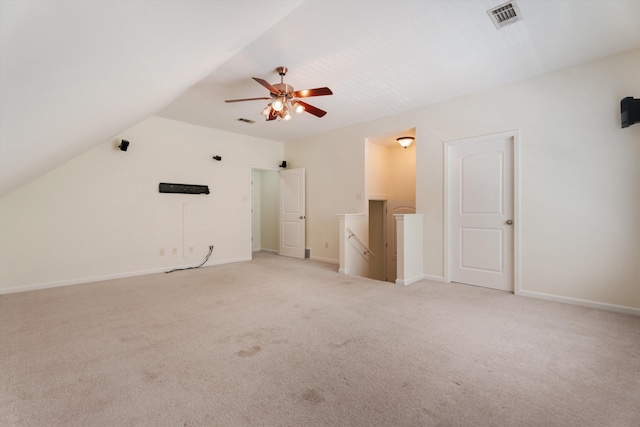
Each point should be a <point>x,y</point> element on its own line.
<point>75,73</point>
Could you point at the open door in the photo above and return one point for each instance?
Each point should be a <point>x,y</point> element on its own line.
<point>292,213</point>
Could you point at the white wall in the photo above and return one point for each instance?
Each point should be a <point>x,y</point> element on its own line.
<point>402,172</point>
<point>335,176</point>
<point>100,215</point>
<point>579,171</point>
<point>410,245</point>
<point>377,171</point>
<point>390,171</point>
<point>353,257</point>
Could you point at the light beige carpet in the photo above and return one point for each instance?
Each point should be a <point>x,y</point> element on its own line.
<point>286,342</point>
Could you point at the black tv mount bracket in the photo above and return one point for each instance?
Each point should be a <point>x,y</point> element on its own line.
<point>183,188</point>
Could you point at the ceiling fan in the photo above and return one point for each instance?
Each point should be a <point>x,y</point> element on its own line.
<point>286,100</point>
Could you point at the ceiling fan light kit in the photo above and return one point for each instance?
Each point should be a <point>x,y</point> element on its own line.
<point>299,109</point>
<point>287,99</point>
<point>277,105</point>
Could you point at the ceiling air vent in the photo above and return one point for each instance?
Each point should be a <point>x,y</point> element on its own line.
<point>505,14</point>
<point>243,120</point>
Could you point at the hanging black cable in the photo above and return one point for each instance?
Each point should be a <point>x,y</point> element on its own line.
<point>198,266</point>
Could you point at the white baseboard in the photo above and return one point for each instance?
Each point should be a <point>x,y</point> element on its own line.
<point>80,281</point>
<point>227,261</point>
<point>581,302</point>
<point>415,279</point>
<point>329,260</point>
<point>407,282</point>
<point>342,271</point>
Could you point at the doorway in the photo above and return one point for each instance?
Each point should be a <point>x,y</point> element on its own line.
<point>264,210</point>
<point>278,211</point>
<point>390,183</point>
<point>378,239</point>
<point>481,211</point>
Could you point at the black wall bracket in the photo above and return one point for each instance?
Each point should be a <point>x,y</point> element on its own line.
<point>183,188</point>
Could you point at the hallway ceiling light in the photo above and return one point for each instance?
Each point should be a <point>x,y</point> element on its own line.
<point>405,141</point>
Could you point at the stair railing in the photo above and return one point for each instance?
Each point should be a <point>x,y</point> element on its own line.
<point>362,249</point>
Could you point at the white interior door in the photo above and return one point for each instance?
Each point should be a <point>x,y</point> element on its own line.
<point>481,197</point>
<point>292,213</point>
<point>395,207</point>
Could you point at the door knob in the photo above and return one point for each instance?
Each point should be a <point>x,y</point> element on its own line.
<point>301,217</point>
<point>509,222</point>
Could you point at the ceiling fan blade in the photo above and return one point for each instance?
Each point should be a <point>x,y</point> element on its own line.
<point>245,99</point>
<point>267,85</point>
<point>319,91</point>
<point>313,110</point>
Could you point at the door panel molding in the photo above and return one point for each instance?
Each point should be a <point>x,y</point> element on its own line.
<point>449,146</point>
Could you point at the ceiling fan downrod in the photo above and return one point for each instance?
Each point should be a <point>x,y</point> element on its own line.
<point>282,71</point>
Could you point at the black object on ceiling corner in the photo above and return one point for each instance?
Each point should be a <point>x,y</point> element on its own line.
<point>629,111</point>
<point>124,144</point>
<point>283,165</point>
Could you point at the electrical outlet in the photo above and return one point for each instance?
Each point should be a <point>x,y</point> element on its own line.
<point>161,251</point>
<point>175,251</point>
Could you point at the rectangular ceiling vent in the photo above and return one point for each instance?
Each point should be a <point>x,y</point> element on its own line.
<point>243,120</point>
<point>505,14</point>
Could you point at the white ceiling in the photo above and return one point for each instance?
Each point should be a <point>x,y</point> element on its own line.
<point>74,74</point>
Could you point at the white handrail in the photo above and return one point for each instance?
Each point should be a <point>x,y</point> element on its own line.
<point>366,249</point>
